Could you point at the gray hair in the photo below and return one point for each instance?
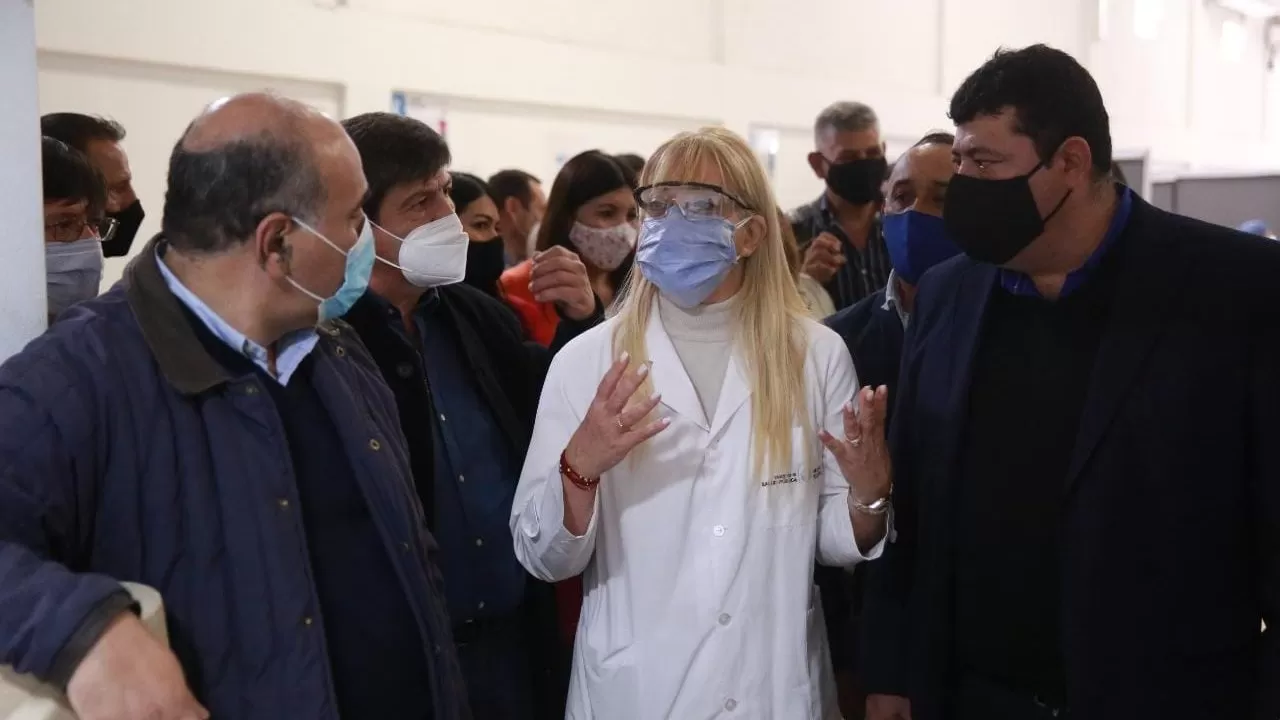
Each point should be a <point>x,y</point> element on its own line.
<point>846,117</point>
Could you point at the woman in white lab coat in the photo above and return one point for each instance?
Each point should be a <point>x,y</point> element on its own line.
<point>677,460</point>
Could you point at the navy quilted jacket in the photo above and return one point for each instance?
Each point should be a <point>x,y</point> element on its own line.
<point>127,453</point>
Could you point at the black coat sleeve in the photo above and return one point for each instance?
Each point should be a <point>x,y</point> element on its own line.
<point>885,636</point>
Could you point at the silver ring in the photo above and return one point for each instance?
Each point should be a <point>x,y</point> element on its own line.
<point>854,441</point>
<point>621,427</point>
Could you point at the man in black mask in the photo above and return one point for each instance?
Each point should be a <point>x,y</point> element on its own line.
<point>99,139</point>
<point>839,232</point>
<point>1087,476</point>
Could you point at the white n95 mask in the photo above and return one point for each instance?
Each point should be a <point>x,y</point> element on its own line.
<point>434,254</point>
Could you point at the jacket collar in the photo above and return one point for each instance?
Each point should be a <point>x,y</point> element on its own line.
<point>166,329</point>
<point>183,361</point>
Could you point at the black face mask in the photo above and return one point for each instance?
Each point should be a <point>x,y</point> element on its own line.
<point>485,263</point>
<point>994,220</point>
<point>130,220</point>
<point>857,181</point>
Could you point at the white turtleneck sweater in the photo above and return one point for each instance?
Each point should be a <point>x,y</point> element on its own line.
<point>703,339</point>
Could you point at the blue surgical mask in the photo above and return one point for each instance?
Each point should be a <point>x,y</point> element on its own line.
<point>73,272</point>
<point>917,241</point>
<point>355,279</point>
<point>686,259</point>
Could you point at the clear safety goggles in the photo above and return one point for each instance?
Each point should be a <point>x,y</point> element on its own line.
<point>696,200</point>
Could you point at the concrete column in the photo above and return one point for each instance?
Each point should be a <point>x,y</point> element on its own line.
<point>22,296</point>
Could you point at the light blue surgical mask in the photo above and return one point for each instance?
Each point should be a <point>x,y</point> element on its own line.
<point>685,258</point>
<point>73,272</point>
<point>355,278</point>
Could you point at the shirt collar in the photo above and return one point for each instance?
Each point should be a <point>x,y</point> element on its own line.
<point>893,302</point>
<point>292,349</point>
<point>1018,283</point>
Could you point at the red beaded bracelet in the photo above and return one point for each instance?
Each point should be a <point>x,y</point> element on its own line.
<point>575,477</point>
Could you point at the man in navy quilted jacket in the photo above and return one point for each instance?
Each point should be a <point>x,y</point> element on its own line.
<point>206,428</point>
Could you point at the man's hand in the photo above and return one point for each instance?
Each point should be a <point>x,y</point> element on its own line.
<point>559,277</point>
<point>888,707</point>
<point>823,258</point>
<point>129,674</point>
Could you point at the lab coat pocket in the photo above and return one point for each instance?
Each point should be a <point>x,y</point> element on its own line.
<point>790,498</point>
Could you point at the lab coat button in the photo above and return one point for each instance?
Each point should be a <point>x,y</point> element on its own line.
<point>718,531</point>
<point>730,704</point>
<point>725,618</point>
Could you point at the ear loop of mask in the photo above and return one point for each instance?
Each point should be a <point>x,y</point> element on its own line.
<point>287,251</point>
<point>378,257</point>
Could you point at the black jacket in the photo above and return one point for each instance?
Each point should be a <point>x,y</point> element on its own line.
<point>1171,521</point>
<point>874,335</point>
<point>509,372</point>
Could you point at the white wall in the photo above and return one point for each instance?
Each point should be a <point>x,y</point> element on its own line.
<point>1172,85</point>
<point>528,83</point>
<point>22,294</point>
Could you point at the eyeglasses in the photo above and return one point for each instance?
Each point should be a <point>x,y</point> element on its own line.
<point>72,229</point>
<point>107,228</point>
<point>695,200</point>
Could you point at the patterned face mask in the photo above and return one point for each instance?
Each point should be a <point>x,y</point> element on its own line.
<point>605,248</point>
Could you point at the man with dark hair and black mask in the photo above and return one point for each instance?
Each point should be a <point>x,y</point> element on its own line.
<point>1087,477</point>
<point>100,140</point>
<point>839,233</point>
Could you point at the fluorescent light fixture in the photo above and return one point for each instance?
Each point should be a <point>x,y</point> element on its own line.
<point>1251,8</point>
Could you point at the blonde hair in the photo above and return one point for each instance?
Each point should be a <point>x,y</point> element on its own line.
<point>770,315</point>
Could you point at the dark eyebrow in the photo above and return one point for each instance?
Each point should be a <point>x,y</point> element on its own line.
<point>415,198</point>
<point>976,150</point>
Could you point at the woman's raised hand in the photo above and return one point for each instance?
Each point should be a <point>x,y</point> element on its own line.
<point>615,423</point>
<point>863,453</point>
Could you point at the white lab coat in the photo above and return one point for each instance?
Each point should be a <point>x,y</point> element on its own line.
<point>699,598</point>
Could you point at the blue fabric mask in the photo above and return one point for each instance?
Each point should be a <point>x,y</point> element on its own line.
<point>917,241</point>
<point>686,259</point>
<point>355,279</point>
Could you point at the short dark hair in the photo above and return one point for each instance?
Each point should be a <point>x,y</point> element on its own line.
<point>936,137</point>
<point>512,183</point>
<point>633,161</point>
<point>68,177</point>
<point>466,189</point>
<point>217,197</point>
<point>1052,95</point>
<point>395,150</point>
<point>78,130</point>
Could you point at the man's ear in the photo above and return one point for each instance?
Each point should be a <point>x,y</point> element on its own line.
<point>512,206</point>
<point>818,164</point>
<point>1077,159</point>
<point>274,252</point>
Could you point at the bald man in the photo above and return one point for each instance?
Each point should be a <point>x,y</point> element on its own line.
<point>207,428</point>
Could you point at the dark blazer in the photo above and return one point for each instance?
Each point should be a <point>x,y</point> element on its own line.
<point>509,373</point>
<point>1171,530</point>
<point>874,335</point>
